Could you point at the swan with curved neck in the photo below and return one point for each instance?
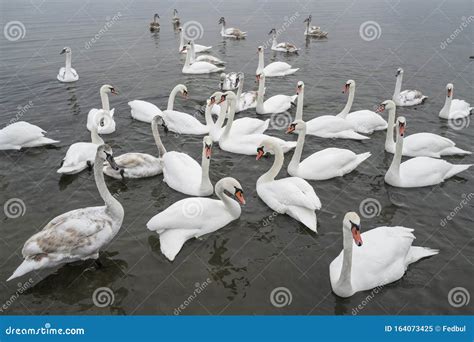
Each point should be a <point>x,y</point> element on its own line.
<point>454,108</point>
<point>406,97</point>
<point>281,47</point>
<point>106,114</point>
<point>198,67</point>
<point>313,31</point>
<point>155,25</point>
<point>231,32</point>
<point>274,69</point>
<point>67,73</point>
<point>203,58</point>
<point>184,48</point>
<point>22,134</point>
<point>275,104</point>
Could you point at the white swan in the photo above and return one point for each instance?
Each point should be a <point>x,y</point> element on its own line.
<point>229,81</point>
<point>382,257</point>
<point>184,48</point>
<point>364,121</point>
<point>273,69</point>
<point>325,164</point>
<point>22,134</point>
<point>155,25</point>
<point>231,32</point>
<point>78,234</point>
<point>204,58</point>
<point>67,74</point>
<point>275,104</point>
<point>281,47</point>
<point>406,97</point>
<point>247,100</point>
<point>244,144</point>
<point>199,67</point>
<point>139,165</point>
<point>325,126</point>
<point>96,115</point>
<point>454,108</point>
<point>418,171</point>
<point>313,31</point>
<point>291,195</point>
<point>175,18</point>
<point>418,144</point>
<point>194,217</point>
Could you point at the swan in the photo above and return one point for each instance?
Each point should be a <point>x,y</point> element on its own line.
<point>231,32</point>
<point>22,134</point>
<point>240,143</point>
<point>184,48</point>
<point>454,108</point>
<point>291,195</point>
<point>139,165</point>
<point>418,171</point>
<point>96,115</point>
<point>175,19</point>
<point>325,126</point>
<point>68,73</point>
<point>363,121</point>
<point>204,58</point>
<point>406,97</point>
<point>247,100</point>
<point>155,25</point>
<point>325,164</point>
<point>275,104</point>
<point>313,31</point>
<point>199,67</point>
<point>229,81</point>
<point>281,47</point>
<point>78,234</point>
<point>382,259</point>
<point>273,69</point>
<point>194,217</point>
<point>418,144</point>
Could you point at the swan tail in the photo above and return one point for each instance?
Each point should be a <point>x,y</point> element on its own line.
<point>305,216</point>
<point>354,135</point>
<point>455,169</point>
<point>363,156</point>
<point>292,71</point>
<point>416,253</point>
<point>26,266</point>
<point>171,242</point>
<point>41,141</point>
<point>456,150</point>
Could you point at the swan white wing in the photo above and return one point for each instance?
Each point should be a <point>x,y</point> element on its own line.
<point>183,123</point>
<point>421,171</point>
<point>181,172</point>
<point>276,68</point>
<point>459,105</point>
<point>245,126</point>
<point>247,100</point>
<point>135,165</point>
<point>143,110</point>
<point>410,97</point>
<point>278,103</point>
<point>23,134</point>
<point>78,155</point>
<point>201,48</point>
<point>366,121</point>
<point>425,144</point>
<point>201,68</point>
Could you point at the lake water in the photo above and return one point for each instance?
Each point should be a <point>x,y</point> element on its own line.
<point>239,266</point>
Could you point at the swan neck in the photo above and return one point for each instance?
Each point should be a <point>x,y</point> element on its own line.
<point>181,41</point>
<point>95,137</point>
<point>173,93</point>
<point>205,162</point>
<point>295,160</point>
<point>208,117</point>
<point>348,106</point>
<point>239,89</point>
<point>447,104</point>
<point>230,119</point>
<point>68,61</point>
<point>105,101</point>
<point>156,136</point>
<point>276,167</point>
<point>260,61</point>
<point>345,276</point>
<point>398,85</point>
<point>397,157</point>
<point>193,54</point>
<point>274,42</point>
<point>231,205</point>
<point>299,105</point>
<point>110,201</point>
<point>391,121</point>
<point>261,90</point>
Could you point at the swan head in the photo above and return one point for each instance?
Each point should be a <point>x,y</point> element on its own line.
<point>296,126</point>
<point>267,146</point>
<point>221,20</point>
<point>183,90</point>
<point>108,89</point>
<point>215,98</point>
<point>156,16</point>
<point>260,49</point>
<point>260,77</point>
<point>386,105</point>
<point>401,124</point>
<point>350,84</point>
<point>104,153</point>
<point>308,20</point>
<point>233,187</point>
<point>175,11</point>
<point>65,50</point>
<point>158,121</point>
<point>272,31</point>
<point>399,72</point>
<point>352,223</point>
<point>207,146</point>
<point>449,89</point>
<point>299,87</point>
<point>227,96</point>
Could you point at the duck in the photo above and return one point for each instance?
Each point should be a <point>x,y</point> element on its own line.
<point>231,32</point>
<point>454,108</point>
<point>78,234</point>
<point>106,114</point>
<point>184,48</point>
<point>281,47</point>
<point>175,18</point>
<point>275,104</point>
<point>274,69</point>
<point>381,256</point>
<point>406,97</point>
<point>313,31</point>
<point>364,121</point>
<point>292,196</point>
<point>418,144</point>
<point>155,25</point>
<point>22,134</point>
<point>325,126</point>
<point>204,58</point>
<point>197,216</point>
<point>67,74</point>
<point>418,171</point>
<point>199,67</point>
<point>325,164</point>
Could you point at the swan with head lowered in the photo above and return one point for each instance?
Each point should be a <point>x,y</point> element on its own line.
<point>184,48</point>
<point>291,195</point>
<point>106,114</point>
<point>418,171</point>
<point>406,97</point>
<point>203,58</point>
<point>325,164</point>
<point>418,144</point>
<point>281,47</point>
<point>78,234</point>
<point>194,217</point>
<point>22,134</point>
<point>380,256</point>
<point>275,104</point>
<point>454,108</point>
<point>325,126</point>
<point>231,32</point>
<point>155,25</point>
<point>273,69</point>
<point>363,121</point>
<point>67,73</point>
<point>198,67</point>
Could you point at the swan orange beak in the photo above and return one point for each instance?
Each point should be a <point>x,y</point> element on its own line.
<point>260,153</point>
<point>290,129</point>
<point>402,130</point>
<point>113,91</point>
<point>208,151</point>
<point>345,89</point>
<point>380,108</point>
<point>239,194</point>
<point>356,235</point>
<point>450,91</point>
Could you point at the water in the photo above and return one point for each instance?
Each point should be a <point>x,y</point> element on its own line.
<point>240,265</point>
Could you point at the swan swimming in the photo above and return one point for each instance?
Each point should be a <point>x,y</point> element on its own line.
<point>105,113</point>
<point>68,73</point>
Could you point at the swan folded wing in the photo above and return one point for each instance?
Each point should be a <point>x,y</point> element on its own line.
<point>20,133</point>
<point>427,141</point>
<point>411,95</point>
<point>248,99</point>
<point>79,153</point>
<point>424,170</point>
<point>144,107</point>
<point>293,191</point>
<point>181,122</point>
<point>181,170</point>
<point>332,158</point>
<point>235,32</point>
<point>460,105</point>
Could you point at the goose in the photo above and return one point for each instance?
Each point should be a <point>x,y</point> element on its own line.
<point>96,115</point>
<point>313,31</point>
<point>273,69</point>
<point>418,144</point>
<point>139,165</point>
<point>244,144</point>
<point>194,217</point>
<point>22,134</point>
<point>68,73</point>
<point>155,25</point>
<point>363,121</point>
<point>199,67</point>
<point>454,108</point>
<point>184,48</point>
<point>231,32</point>
<point>78,234</point>
<point>247,100</point>
<point>291,195</point>
<point>322,165</point>
<point>406,97</point>
<point>381,257</point>
<point>325,126</point>
<point>418,171</point>
<point>275,104</point>
<point>281,47</point>
<point>175,19</point>
<point>204,58</point>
